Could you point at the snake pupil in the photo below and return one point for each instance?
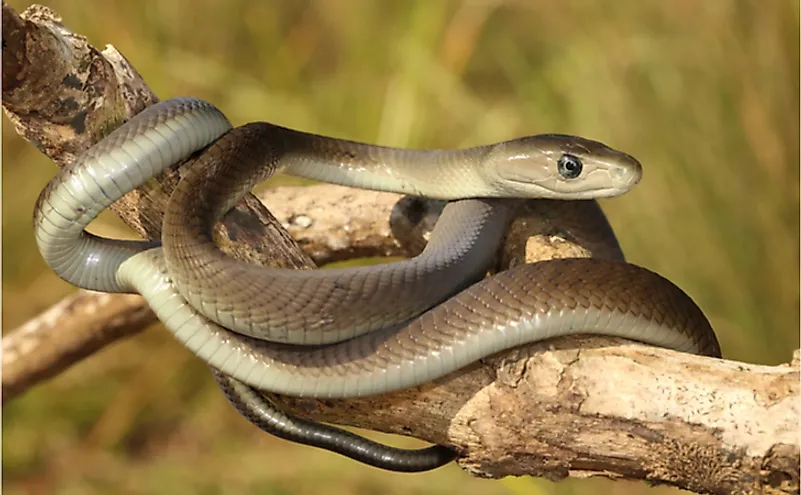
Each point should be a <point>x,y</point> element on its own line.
<point>569,166</point>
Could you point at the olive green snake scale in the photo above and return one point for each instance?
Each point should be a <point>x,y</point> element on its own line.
<point>352,332</point>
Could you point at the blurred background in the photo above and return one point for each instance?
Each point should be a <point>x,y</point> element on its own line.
<point>705,94</point>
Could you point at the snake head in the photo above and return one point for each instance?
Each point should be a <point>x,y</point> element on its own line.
<point>559,166</point>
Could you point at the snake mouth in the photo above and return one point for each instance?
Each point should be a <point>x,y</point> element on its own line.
<point>540,190</point>
<point>595,186</point>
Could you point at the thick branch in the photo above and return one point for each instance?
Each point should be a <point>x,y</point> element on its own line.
<point>64,95</point>
<point>624,411</point>
<point>585,406</point>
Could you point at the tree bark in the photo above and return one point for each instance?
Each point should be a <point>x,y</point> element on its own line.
<point>581,406</point>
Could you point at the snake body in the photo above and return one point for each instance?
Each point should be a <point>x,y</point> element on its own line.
<point>316,306</point>
<point>199,294</point>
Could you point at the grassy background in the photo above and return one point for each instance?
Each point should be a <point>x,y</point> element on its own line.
<point>705,94</point>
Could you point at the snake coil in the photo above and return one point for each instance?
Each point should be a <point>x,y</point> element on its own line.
<point>372,329</point>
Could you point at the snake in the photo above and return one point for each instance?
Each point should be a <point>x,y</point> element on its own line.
<point>359,331</point>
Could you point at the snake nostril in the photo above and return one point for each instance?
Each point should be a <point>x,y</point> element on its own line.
<point>635,176</point>
<point>629,175</point>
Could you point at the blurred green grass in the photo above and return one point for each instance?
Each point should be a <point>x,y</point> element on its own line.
<point>705,94</point>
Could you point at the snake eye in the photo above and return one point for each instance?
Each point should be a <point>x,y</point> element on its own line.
<point>569,166</point>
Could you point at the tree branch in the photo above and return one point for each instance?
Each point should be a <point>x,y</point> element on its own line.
<point>568,407</point>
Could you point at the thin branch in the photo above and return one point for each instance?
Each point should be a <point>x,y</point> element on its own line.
<point>569,407</point>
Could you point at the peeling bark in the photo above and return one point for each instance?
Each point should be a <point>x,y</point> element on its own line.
<point>581,406</point>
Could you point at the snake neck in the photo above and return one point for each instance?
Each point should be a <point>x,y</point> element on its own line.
<point>253,153</point>
<point>437,174</point>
